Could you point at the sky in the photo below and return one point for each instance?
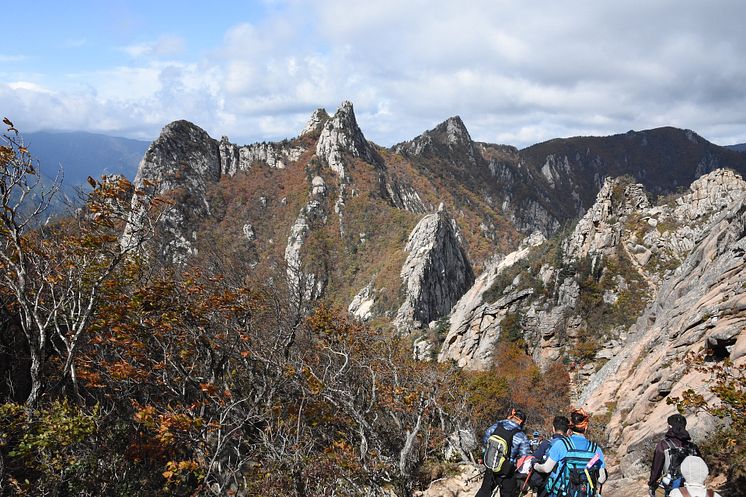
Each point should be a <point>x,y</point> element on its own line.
<point>516,72</point>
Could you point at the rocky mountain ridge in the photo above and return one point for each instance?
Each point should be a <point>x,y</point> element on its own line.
<point>426,237</point>
<point>493,191</point>
<point>341,169</point>
<point>587,287</point>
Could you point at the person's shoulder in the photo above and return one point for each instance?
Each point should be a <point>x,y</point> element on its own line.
<point>559,446</point>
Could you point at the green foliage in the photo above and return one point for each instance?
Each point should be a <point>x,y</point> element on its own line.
<point>601,317</point>
<point>511,330</point>
<point>47,432</point>
<point>45,444</point>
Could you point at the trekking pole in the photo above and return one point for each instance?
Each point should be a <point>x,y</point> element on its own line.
<point>525,483</point>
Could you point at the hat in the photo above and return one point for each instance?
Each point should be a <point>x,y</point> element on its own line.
<point>677,421</point>
<point>536,433</point>
<point>694,469</point>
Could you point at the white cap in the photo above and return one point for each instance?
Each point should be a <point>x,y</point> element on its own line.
<point>694,470</point>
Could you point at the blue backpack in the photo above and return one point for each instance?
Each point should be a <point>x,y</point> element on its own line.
<point>576,476</point>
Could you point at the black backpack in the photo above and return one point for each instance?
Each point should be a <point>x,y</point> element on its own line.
<point>496,455</point>
<point>675,455</point>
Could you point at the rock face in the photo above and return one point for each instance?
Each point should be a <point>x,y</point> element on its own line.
<point>315,123</point>
<point>448,138</point>
<point>599,230</point>
<point>234,158</point>
<point>465,484</point>
<point>701,306</point>
<point>435,274</point>
<point>475,324</point>
<point>340,135</point>
<point>362,305</point>
<point>184,159</point>
<point>581,290</point>
<point>182,154</point>
<point>305,286</point>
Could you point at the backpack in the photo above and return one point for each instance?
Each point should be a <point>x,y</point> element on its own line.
<point>574,477</point>
<point>675,455</point>
<point>497,450</point>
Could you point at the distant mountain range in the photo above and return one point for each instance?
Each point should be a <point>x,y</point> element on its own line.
<point>739,147</point>
<point>82,154</point>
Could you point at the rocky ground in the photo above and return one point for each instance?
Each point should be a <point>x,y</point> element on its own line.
<point>468,481</point>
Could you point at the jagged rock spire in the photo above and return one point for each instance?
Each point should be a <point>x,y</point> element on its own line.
<point>180,144</point>
<point>436,273</point>
<point>315,122</point>
<point>449,136</point>
<point>341,134</point>
<point>455,131</point>
<point>184,156</point>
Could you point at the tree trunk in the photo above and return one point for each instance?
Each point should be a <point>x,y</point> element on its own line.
<point>36,377</point>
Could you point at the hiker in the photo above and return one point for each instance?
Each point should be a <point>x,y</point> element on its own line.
<point>695,473</point>
<point>669,453</point>
<point>537,481</point>
<point>561,425</point>
<point>536,439</point>
<point>509,432</point>
<point>576,464</point>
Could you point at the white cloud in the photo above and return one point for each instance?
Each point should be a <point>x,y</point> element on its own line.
<point>28,86</point>
<point>516,73</point>
<point>12,58</point>
<point>164,46</point>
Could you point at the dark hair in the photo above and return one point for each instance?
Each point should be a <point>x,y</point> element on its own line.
<point>578,421</point>
<point>518,413</point>
<point>677,421</point>
<point>561,424</point>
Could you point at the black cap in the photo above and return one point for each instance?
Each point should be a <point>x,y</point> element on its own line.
<point>677,421</point>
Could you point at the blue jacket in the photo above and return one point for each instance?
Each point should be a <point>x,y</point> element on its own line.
<point>520,447</point>
<point>541,451</point>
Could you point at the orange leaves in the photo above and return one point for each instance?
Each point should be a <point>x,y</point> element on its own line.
<point>314,384</point>
<point>123,370</point>
<point>6,155</point>
<point>145,416</point>
<point>208,388</point>
<point>515,381</point>
<point>90,379</point>
<point>166,427</point>
<point>178,468</point>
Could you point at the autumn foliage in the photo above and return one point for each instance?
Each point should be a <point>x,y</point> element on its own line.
<point>125,376</point>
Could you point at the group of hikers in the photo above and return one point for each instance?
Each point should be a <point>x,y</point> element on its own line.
<point>570,465</point>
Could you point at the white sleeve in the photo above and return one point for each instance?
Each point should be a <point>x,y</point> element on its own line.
<point>602,476</point>
<point>546,467</point>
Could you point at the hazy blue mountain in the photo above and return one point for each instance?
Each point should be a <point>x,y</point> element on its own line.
<point>83,154</point>
<point>739,147</point>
